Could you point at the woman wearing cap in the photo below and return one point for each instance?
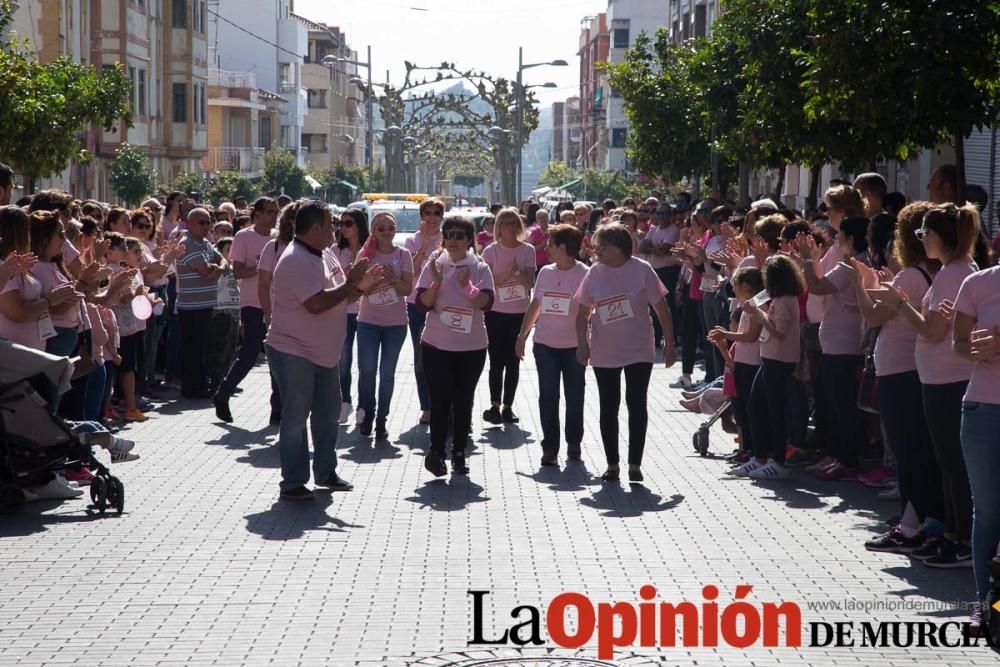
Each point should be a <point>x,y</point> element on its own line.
<point>353,227</point>
<point>454,291</point>
<point>382,325</point>
<point>554,310</point>
<point>512,262</point>
<point>615,335</point>
<point>420,246</point>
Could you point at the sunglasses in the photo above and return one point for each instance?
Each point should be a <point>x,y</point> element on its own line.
<point>921,233</point>
<point>346,223</point>
<point>456,236</point>
<point>142,225</point>
<point>433,211</point>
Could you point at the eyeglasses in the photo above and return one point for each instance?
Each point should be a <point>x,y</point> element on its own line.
<point>921,233</point>
<point>456,236</point>
<point>349,222</point>
<point>433,211</point>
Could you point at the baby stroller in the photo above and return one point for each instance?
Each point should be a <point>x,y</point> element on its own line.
<point>34,443</point>
<point>700,437</point>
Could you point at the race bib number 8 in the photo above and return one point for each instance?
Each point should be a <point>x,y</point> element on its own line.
<point>614,309</point>
<point>457,319</point>
<point>556,303</point>
<point>511,292</point>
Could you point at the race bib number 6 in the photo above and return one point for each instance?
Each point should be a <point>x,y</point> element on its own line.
<point>556,303</point>
<point>457,319</point>
<point>614,309</point>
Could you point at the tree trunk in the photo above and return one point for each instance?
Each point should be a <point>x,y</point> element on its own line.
<point>815,171</point>
<point>31,186</point>
<point>781,184</point>
<point>744,194</point>
<point>960,169</point>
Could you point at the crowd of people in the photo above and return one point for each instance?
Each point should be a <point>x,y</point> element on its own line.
<point>866,331</point>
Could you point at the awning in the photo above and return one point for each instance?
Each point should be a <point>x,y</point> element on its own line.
<point>313,183</point>
<point>350,185</point>
<point>575,181</point>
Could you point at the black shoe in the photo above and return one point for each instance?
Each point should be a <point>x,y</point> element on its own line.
<point>298,493</point>
<point>380,431</point>
<point>275,419</point>
<point>493,416</point>
<point>222,411</point>
<point>435,465</point>
<point>508,416</point>
<point>197,395</point>
<point>951,555</point>
<point>929,548</point>
<point>238,390</point>
<point>611,475</point>
<point>550,460</point>
<point>458,466</point>
<point>335,483</point>
<point>366,426</point>
<point>894,542</point>
<point>634,475</point>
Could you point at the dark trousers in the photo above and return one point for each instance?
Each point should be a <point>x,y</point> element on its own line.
<point>451,380</point>
<point>417,318</point>
<point>943,413</point>
<point>668,275</point>
<point>254,330</point>
<point>196,333</point>
<point>768,398</point>
<point>505,367</point>
<point>225,338</point>
<point>692,335</point>
<point>609,392</point>
<point>347,358</point>
<point>901,409</point>
<point>174,336</point>
<point>552,364</point>
<point>744,375</point>
<point>840,375</point>
<point>711,312</point>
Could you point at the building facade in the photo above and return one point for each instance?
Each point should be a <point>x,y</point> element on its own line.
<point>594,44</point>
<point>242,121</point>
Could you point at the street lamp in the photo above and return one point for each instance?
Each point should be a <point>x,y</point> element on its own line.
<point>521,66</point>
<point>369,149</point>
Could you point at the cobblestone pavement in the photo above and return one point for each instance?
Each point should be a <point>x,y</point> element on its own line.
<point>206,567</point>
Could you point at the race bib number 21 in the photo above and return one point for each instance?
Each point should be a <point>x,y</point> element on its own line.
<point>614,309</point>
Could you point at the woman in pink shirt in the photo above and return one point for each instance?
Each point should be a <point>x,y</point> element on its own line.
<point>46,242</point>
<point>485,237</point>
<point>354,232</point>
<point>615,334</point>
<point>455,289</point>
<point>512,263</point>
<point>382,325</point>
<point>24,310</point>
<point>553,309</point>
<point>948,234</point>
<point>538,237</point>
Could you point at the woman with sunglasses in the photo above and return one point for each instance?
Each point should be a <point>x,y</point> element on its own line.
<point>614,334</point>
<point>382,325</point>
<point>421,245</point>
<point>512,262</point>
<point>455,289</point>
<point>353,227</point>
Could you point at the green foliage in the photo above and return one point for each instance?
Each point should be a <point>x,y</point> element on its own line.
<point>227,185</point>
<point>467,182</point>
<point>555,174</point>
<point>595,185</point>
<point>281,174</point>
<point>45,107</point>
<point>130,174</point>
<point>333,180</point>
<point>184,182</point>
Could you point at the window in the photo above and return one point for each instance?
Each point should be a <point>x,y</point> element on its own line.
<point>179,14</point>
<point>286,136</point>
<point>612,92</point>
<point>620,38</point>
<point>131,80</point>
<point>618,135</point>
<point>264,139</point>
<point>180,102</point>
<point>316,99</point>
<point>140,92</point>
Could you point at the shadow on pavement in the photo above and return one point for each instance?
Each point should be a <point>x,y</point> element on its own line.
<point>240,438</point>
<point>573,477</point>
<point>37,516</point>
<point>418,437</point>
<point>507,436</point>
<point>262,457</point>
<point>371,450</point>
<point>448,495</point>
<point>289,520</point>
<point>615,502</point>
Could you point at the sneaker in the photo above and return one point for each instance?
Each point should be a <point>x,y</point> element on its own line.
<point>889,494</point>
<point>458,465</point>
<point>345,412</point>
<point>894,542</point>
<point>359,415</point>
<point>739,457</point>
<point>365,426</point>
<point>135,416</point>
<point>143,404</point>
<point>977,617</point>
<point>874,478</point>
<point>335,483</point>
<point>824,462</point>
<point>927,549</point>
<point>121,451</point>
<point>748,467</point>
<point>380,430</point>
<point>435,465</point>
<point>298,493</point>
<point>81,476</point>
<point>493,415</point>
<point>222,411</point>
<point>508,416</point>
<point>550,460</point>
<point>799,458</point>
<point>770,470</point>
<point>837,471</point>
<point>792,451</point>
<point>682,383</point>
<point>950,555</point>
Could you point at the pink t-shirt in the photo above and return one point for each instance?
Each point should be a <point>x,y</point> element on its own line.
<point>24,333</point>
<point>417,244</point>
<point>383,307</point>
<point>98,334</point>
<point>483,239</point>
<point>511,295</point>
<point>536,236</point>
<point>621,331</point>
<point>454,324</point>
<point>979,298</point>
<point>554,291</point>
<point>747,353</point>
<point>658,236</point>
<point>49,275</point>
<point>302,272</point>
<point>148,257</point>
<point>895,349</point>
<point>816,303</point>
<point>937,363</point>
<point>247,249</point>
<point>270,255</point>
<point>842,327</point>
<point>784,313</point>
<point>110,323</point>
<point>69,252</point>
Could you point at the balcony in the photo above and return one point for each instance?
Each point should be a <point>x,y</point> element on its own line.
<point>245,160</point>
<point>227,79</point>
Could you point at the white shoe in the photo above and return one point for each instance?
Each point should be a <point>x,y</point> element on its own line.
<point>748,467</point>
<point>889,494</point>
<point>359,415</point>
<point>770,470</point>
<point>681,383</point>
<point>120,451</point>
<point>57,488</point>
<point>345,412</point>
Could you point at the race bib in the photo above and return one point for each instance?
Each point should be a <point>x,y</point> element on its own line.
<point>556,303</point>
<point>45,328</point>
<point>614,309</point>
<point>765,335</point>
<point>385,296</point>
<point>337,276</point>
<point>510,292</point>
<point>457,319</point>
<point>709,283</point>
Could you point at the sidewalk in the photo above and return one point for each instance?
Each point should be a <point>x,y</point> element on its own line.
<point>206,567</point>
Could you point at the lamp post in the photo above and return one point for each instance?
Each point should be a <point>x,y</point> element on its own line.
<point>521,66</point>
<point>369,148</point>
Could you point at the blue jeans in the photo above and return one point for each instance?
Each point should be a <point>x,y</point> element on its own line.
<point>981,447</point>
<point>93,409</point>
<point>308,392</point>
<point>347,358</point>
<point>417,319</point>
<point>371,337</point>
<point>552,363</point>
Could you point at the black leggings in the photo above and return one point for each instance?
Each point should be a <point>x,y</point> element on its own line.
<point>768,401</point>
<point>692,334</point>
<point>943,413</point>
<point>502,329</point>
<point>841,375</point>
<point>610,392</point>
<point>451,380</point>
<point>744,375</point>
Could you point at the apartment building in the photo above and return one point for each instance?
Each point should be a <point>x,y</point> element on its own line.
<point>594,44</point>
<point>242,121</point>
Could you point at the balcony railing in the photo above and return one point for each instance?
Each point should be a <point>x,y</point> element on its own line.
<point>245,160</point>
<point>227,79</point>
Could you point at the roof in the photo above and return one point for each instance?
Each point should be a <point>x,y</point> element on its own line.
<point>268,95</point>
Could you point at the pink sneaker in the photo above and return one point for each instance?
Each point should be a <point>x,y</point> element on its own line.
<point>876,477</point>
<point>83,476</point>
<point>837,471</point>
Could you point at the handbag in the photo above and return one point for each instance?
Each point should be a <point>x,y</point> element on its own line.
<point>868,388</point>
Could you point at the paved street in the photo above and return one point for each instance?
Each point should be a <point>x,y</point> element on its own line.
<point>206,567</point>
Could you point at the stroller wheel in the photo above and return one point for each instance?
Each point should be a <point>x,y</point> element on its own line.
<point>701,441</point>
<point>99,494</point>
<point>11,498</point>
<point>116,494</point>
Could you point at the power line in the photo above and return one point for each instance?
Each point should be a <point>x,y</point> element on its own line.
<point>253,34</point>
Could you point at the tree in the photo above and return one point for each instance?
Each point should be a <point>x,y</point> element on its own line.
<point>281,174</point>
<point>334,182</point>
<point>45,107</point>
<point>183,182</point>
<point>600,185</point>
<point>130,174</point>
<point>227,185</point>
<point>556,173</point>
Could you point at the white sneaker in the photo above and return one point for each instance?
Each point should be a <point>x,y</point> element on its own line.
<point>359,415</point>
<point>120,451</point>
<point>681,383</point>
<point>748,467</point>
<point>770,470</point>
<point>345,412</point>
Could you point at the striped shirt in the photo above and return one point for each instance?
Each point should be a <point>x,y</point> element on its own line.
<point>193,291</point>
